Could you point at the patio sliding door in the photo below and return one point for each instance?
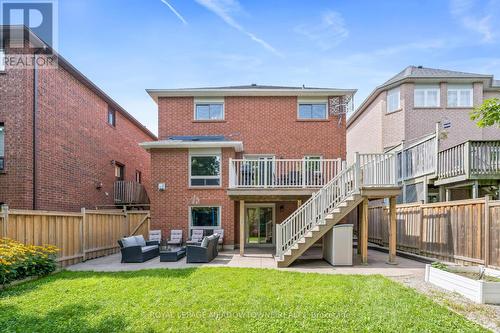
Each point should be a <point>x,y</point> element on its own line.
<point>259,225</point>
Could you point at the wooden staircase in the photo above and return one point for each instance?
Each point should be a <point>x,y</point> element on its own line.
<point>319,230</point>
<point>331,204</point>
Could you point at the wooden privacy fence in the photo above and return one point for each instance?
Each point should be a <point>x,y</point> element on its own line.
<point>79,236</point>
<point>466,231</point>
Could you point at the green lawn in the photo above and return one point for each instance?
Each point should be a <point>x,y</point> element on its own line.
<point>220,300</point>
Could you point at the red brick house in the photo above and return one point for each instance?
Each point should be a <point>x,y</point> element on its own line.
<point>242,156</point>
<point>64,143</point>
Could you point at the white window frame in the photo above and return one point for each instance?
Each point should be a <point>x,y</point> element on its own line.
<point>190,211</point>
<point>390,93</point>
<point>2,60</point>
<point>458,88</point>
<point>427,89</point>
<point>315,158</point>
<point>205,153</point>
<point>312,102</point>
<point>209,101</point>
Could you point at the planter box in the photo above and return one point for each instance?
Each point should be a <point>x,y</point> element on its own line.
<point>475,290</point>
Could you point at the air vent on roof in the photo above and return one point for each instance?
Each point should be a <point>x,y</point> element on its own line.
<point>420,67</point>
<point>254,84</point>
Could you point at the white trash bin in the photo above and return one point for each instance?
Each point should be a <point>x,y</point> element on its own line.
<point>337,245</point>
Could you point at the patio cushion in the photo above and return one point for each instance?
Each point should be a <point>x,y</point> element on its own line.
<point>204,242</point>
<point>148,248</point>
<point>129,241</point>
<point>140,240</point>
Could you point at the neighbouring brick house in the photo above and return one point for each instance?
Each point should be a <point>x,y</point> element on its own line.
<point>241,158</point>
<point>82,142</point>
<point>423,114</point>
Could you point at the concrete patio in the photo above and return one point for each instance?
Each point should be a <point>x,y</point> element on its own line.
<point>311,262</point>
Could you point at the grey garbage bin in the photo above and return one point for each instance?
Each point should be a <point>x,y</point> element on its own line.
<point>337,245</point>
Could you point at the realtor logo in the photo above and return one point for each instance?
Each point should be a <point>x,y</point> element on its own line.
<point>38,15</point>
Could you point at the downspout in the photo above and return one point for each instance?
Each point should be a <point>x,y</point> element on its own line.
<point>34,120</point>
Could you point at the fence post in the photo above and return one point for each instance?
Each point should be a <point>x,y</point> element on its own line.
<point>421,242</point>
<point>5,213</point>
<point>83,238</point>
<point>486,230</point>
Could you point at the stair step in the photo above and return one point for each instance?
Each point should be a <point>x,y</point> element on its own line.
<point>301,241</point>
<point>295,246</point>
<point>315,228</point>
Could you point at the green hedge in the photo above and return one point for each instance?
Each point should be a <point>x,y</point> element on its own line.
<point>19,261</point>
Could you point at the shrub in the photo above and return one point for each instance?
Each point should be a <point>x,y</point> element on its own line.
<point>19,261</point>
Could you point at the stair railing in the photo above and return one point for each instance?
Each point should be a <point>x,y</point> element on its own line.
<point>368,170</point>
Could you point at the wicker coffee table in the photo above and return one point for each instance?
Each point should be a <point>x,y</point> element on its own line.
<point>170,253</point>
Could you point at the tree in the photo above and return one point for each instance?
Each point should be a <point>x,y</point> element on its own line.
<point>487,114</point>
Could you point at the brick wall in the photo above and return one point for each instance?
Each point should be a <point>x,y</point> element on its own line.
<point>365,133</point>
<point>75,143</point>
<point>375,130</point>
<point>170,208</point>
<point>265,125</point>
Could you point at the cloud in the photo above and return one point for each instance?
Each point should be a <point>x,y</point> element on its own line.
<point>224,9</point>
<point>463,11</point>
<point>179,16</point>
<point>329,33</point>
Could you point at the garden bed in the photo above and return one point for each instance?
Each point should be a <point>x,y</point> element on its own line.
<point>464,280</point>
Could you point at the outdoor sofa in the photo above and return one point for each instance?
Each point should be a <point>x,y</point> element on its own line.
<point>136,250</point>
<point>205,252</point>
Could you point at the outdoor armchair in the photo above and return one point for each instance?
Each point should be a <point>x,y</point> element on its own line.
<point>203,253</point>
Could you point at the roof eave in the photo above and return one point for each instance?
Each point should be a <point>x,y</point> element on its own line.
<point>379,89</point>
<point>157,93</point>
<point>178,144</point>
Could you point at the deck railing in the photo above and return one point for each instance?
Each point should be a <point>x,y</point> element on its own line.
<point>470,159</point>
<point>130,192</point>
<point>417,159</point>
<point>369,170</point>
<point>282,173</point>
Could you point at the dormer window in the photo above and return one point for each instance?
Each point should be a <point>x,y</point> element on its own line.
<point>209,109</point>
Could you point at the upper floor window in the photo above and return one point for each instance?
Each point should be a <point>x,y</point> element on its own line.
<point>2,60</point>
<point>393,100</point>
<point>204,170</point>
<point>209,109</point>
<point>111,117</point>
<point>426,95</point>
<point>312,111</point>
<point>2,147</point>
<point>460,95</point>
<point>138,176</point>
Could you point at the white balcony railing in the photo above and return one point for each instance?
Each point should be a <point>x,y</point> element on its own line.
<point>470,159</point>
<point>282,173</point>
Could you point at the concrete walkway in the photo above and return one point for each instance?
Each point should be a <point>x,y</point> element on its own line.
<point>261,258</point>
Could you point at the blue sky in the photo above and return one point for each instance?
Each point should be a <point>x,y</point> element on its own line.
<point>126,46</point>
